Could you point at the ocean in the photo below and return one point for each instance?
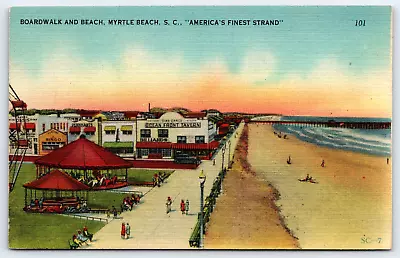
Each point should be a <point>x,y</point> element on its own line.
<point>376,141</point>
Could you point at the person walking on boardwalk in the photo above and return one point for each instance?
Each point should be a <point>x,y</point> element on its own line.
<point>123,230</point>
<point>183,207</point>
<point>115,213</point>
<point>128,230</point>
<point>187,206</point>
<point>168,204</point>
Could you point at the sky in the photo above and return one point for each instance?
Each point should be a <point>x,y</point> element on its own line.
<point>315,62</point>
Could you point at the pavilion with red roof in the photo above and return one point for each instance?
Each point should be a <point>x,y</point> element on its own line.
<point>59,192</point>
<point>90,163</point>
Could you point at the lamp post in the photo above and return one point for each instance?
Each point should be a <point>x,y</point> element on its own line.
<point>223,156</point>
<point>229,153</point>
<point>202,179</point>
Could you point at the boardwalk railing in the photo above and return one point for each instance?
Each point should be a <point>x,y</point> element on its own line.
<point>208,208</point>
<point>86,217</point>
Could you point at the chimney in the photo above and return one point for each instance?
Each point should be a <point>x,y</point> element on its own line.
<point>149,108</point>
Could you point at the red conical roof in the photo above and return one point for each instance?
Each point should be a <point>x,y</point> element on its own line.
<point>56,180</point>
<point>82,154</point>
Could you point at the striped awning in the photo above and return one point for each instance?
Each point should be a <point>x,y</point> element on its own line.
<point>110,128</point>
<point>89,129</point>
<point>27,126</point>
<point>74,129</point>
<point>153,145</point>
<point>127,128</point>
<point>118,145</point>
<point>195,146</point>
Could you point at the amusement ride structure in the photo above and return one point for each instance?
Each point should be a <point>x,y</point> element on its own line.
<point>18,136</point>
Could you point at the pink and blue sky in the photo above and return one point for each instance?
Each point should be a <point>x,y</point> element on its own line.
<point>316,62</point>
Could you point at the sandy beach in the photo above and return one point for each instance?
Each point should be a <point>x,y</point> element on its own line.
<point>246,216</point>
<point>350,206</point>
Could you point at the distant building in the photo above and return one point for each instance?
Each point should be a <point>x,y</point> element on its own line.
<point>51,140</point>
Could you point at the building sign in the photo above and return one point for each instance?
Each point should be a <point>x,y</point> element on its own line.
<point>173,123</point>
<point>160,139</point>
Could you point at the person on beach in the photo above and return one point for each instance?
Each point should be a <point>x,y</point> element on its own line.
<point>289,161</point>
<point>187,206</point>
<point>128,230</point>
<point>308,177</point>
<point>168,204</point>
<point>123,230</point>
<point>183,208</point>
<point>323,163</point>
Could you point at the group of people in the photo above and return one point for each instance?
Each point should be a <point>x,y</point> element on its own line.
<point>81,238</point>
<point>158,179</point>
<point>37,203</point>
<point>125,231</point>
<point>96,180</point>
<point>280,135</point>
<point>129,201</point>
<point>184,206</point>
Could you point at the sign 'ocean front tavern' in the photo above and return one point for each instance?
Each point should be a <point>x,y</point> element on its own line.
<point>173,124</point>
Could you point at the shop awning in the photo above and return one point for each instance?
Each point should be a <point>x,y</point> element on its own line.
<point>27,126</point>
<point>127,128</point>
<point>110,128</point>
<point>153,145</point>
<point>89,129</point>
<point>74,129</point>
<point>118,145</point>
<point>195,146</point>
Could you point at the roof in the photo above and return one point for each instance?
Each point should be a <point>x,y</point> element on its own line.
<point>88,112</point>
<point>131,114</point>
<point>195,115</point>
<point>56,180</point>
<point>82,154</point>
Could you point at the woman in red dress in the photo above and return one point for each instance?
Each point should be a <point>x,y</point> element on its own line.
<point>183,207</point>
<point>123,231</point>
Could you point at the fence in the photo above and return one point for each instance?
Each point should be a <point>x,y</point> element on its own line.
<point>208,208</point>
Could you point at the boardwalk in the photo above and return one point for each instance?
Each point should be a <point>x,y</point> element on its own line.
<point>151,227</point>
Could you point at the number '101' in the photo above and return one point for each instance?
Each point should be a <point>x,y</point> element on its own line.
<point>360,22</point>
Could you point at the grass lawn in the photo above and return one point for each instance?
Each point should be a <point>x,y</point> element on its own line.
<point>46,231</point>
<point>50,231</point>
<point>144,175</point>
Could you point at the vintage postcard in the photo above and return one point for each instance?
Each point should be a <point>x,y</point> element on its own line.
<point>263,127</point>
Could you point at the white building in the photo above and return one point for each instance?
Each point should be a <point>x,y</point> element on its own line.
<point>173,133</point>
<point>118,136</point>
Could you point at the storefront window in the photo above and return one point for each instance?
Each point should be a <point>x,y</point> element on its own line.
<point>143,152</point>
<point>126,132</point>
<point>163,133</point>
<point>166,153</point>
<point>200,139</point>
<point>181,139</point>
<point>110,132</point>
<point>145,133</point>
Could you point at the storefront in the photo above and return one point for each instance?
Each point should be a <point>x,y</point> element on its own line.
<point>51,140</point>
<point>173,133</point>
<point>118,136</point>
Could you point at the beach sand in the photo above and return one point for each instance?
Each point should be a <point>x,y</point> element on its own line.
<point>245,216</point>
<point>349,208</point>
